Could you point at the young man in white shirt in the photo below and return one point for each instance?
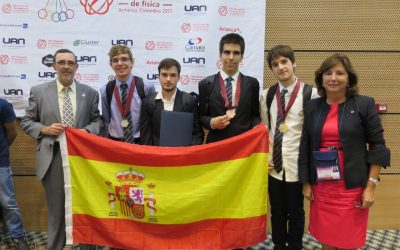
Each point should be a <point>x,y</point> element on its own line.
<point>281,108</point>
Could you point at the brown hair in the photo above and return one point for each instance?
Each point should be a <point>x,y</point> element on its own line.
<point>352,88</point>
<point>120,49</point>
<point>280,50</point>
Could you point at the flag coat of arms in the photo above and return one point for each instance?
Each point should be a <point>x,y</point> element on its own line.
<point>129,196</point>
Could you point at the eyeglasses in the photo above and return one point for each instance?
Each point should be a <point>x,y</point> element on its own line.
<point>122,59</point>
<point>69,63</point>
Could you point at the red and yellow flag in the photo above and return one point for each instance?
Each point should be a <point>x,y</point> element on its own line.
<point>143,197</point>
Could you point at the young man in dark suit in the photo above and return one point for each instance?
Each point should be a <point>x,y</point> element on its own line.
<point>171,99</point>
<point>229,100</point>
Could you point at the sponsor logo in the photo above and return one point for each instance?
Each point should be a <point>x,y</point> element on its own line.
<point>194,60</point>
<point>185,79</point>
<point>145,7</point>
<point>195,45</point>
<point>78,77</point>
<point>131,197</point>
<point>11,25</point>
<point>195,10</point>
<point>85,43</point>
<point>152,62</point>
<point>47,74</point>
<point>13,42</point>
<point>224,10</point>
<point>89,59</point>
<point>14,8</point>
<point>50,44</point>
<point>152,77</point>
<point>219,64</point>
<point>13,92</point>
<point>21,76</point>
<point>5,59</point>
<point>195,27</point>
<point>87,77</point>
<point>96,7</point>
<point>230,29</point>
<point>126,42</point>
<point>48,60</point>
<point>158,45</point>
<point>57,12</point>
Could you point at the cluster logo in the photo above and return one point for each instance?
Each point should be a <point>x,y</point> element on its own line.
<point>13,42</point>
<point>224,10</point>
<point>158,45</point>
<point>195,44</point>
<point>195,10</point>
<point>145,7</point>
<point>97,7</point>
<point>131,197</point>
<point>56,11</point>
<point>85,43</point>
<point>48,60</point>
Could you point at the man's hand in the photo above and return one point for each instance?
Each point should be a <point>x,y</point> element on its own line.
<point>220,122</point>
<point>53,129</point>
<point>307,191</point>
<point>270,164</point>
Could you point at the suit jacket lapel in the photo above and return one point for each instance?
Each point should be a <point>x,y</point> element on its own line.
<point>52,96</point>
<point>178,105</point>
<point>80,101</point>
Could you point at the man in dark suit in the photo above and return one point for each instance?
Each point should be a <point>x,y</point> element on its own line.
<point>52,107</point>
<point>171,99</point>
<point>229,100</point>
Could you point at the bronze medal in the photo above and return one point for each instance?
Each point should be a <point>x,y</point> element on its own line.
<point>231,113</point>
<point>283,128</point>
<point>124,123</point>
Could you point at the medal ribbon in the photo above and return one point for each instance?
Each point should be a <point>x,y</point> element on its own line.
<point>225,95</point>
<point>124,110</point>
<point>291,100</point>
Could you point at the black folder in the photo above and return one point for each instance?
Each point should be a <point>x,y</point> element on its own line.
<point>176,128</point>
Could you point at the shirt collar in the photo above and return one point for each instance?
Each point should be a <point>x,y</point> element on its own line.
<point>128,82</point>
<point>159,96</point>
<point>290,88</point>
<point>224,75</point>
<point>60,86</point>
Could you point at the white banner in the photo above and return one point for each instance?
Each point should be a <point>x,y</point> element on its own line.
<point>189,31</point>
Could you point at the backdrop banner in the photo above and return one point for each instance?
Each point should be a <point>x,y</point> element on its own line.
<point>189,31</point>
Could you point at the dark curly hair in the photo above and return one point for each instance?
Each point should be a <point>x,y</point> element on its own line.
<point>352,88</point>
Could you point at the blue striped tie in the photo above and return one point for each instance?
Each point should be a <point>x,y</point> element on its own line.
<point>277,150</point>
<point>229,89</point>
<point>128,130</point>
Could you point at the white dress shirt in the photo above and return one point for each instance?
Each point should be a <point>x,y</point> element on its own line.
<point>168,104</point>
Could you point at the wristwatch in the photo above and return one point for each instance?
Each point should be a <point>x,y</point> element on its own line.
<point>373,180</point>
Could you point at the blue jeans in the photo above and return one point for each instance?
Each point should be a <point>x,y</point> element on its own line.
<point>11,214</point>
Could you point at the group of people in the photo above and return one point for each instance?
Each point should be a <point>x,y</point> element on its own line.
<point>326,143</point>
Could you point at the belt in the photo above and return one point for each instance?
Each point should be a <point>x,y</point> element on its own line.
<point>333,147</point>
<point>135,140</point>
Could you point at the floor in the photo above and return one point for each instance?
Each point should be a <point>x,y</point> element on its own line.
<point>378,239</point>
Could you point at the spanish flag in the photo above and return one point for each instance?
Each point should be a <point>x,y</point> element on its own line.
<point>130,196</point>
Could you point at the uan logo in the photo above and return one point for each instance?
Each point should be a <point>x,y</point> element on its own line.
<point>48,60</point>
<point>89,59</point>
<point>152,77</point>
<point>47,74</point>
<point>194,60</point>
<point>195,8</point>
<point>13,40</point>
<point>13,92</point>
<point>122,42</point>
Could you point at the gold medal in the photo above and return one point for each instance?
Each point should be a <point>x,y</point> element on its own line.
<point>124,123</point>
<point>283,127</point>
<point>231,113</point>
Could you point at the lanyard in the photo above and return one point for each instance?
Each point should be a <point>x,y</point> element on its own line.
<point>125,110</point>
<point>291,100</point>
<point>225,95</point>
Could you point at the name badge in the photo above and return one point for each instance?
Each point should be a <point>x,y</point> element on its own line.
<point>327,165</point>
